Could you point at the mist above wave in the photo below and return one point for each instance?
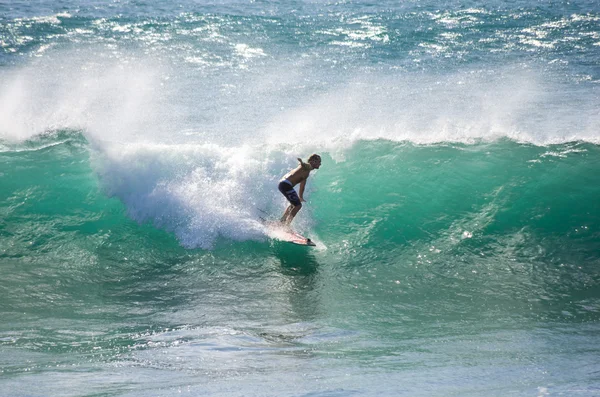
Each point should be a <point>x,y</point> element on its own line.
<point>135,98</point>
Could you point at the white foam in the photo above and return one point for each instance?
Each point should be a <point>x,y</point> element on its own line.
<point>133,98</point>
<point>109,99</point>
<point>463,107</point>
<point>197,191</point>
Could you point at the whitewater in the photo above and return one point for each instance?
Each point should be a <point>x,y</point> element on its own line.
<point>456,211</point>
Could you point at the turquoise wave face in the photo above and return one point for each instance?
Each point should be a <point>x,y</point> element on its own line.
<point>392,217</point>
<point>404,192</point>
<point>390,192</point>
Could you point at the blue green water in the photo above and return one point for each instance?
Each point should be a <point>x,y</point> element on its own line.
<point>456,212</point>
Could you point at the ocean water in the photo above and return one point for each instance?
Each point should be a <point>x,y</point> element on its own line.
<point>456,213</point>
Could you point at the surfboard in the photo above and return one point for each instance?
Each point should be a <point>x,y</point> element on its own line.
<point>278,231</point>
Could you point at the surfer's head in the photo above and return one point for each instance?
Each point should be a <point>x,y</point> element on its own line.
<point>315,161</point>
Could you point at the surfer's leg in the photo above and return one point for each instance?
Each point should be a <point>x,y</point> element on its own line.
<point>293,213</point>
<point>286,214</point>
<point>295,204</point>
<point>290,213</point>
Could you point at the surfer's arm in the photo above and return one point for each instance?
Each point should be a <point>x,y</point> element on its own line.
<point>301,193</point>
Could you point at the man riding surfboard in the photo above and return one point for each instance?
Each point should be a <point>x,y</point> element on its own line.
<point>286,186</point>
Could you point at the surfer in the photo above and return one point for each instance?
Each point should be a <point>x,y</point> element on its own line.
<point>291,179</point>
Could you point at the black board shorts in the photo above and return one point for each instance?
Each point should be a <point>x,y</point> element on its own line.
<point>290,194</point>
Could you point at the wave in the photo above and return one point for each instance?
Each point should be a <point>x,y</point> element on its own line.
<point>379,192</point>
